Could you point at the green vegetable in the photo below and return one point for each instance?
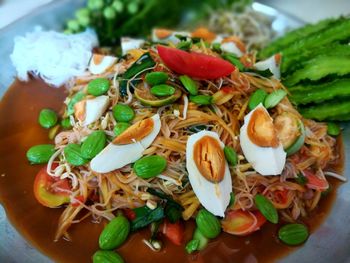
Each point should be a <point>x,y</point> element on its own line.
<point>274,98</point>
<point>118,5</point>
<point>233,59</point>
<point>293,234</point>
<point>332,110</point>
<point>203,241</point>
<point>316,93</point>
<point>230,155</point>
<point>266,208</point>
<point>299,142</point>
<point>216,47</point>
<point>93,144</point>
<point>95,4</point>
<point>208,224</point>
<point>318,68</point>
<point>202,99</point>
<point>146,98</point>
<point>98,86</point>
<point>115,233</point>
<point>156,78</point>
<point>76,98</point>
<point>145,216</point>
<point>73,25</point>
<point>132,7</point>
<point>301,179</point>
<point>184,45</point>
<point>65,123</point>
<point>39,154</point>
<point>192,246</point>
<point>123,113</point>
<point>232,199</point>
<point>144,62</point>
<point>83,16</point>
<point>162,90</point>
<point>47,118</point>
<point>120,127</point>
<point>107,257</point>
<point>53,131</point>
<point>150,166</point>
<point>109,13</point>
<point>333,129</point>
<point>73,155</point>
<point>189,84</point>
<point>256,98</point>
<point>293,36</point>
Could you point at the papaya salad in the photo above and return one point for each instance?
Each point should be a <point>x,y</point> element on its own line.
<point>188,126</point>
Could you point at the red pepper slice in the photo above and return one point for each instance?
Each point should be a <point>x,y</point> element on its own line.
<point>194,64</point>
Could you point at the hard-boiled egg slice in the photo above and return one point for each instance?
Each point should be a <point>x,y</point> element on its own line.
<point>128,44</point>
<point>214,195</point>
<point>165,36</point>
<point>115,156</point>
<point>90,110</point>
<point>233,45</point>
<point>272,64</point>
<point>100,63</point>
<point>266,160</point>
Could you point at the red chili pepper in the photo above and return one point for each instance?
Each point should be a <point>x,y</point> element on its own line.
<point>129,214</point>
<point>194,64</point>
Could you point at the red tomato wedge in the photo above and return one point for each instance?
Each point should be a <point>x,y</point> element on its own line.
<point>174,232</point>
<point>315,182</point>
<point>50,191</point>
<point>242,223</point>
<point>129,214</point>
<point>78,200</point>
<point>194,64</point>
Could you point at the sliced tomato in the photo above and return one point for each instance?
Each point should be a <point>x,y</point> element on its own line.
<point>175,232</point>
<point>315,182</point>
<point>281,196</point>
<point>194,64</point>
<point>51,191</point>
<point>242,223</point>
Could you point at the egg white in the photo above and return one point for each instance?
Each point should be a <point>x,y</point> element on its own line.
<point>130,43</point>
<point>106,63</point>
<point>95,108</point>
<point>265,160</point>
<point>215,197</point>
<point>270,64</point>
<point>113,156</point>
<point>172,38</point>
<point>231,47</point>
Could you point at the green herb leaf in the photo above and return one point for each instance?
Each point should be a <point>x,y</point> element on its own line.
<point>146,216</point>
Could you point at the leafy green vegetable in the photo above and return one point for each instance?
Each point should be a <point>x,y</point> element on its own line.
<point>301,179</point>
<point>145,216</point>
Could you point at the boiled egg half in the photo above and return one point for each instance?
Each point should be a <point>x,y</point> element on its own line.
<point>260,144</point>
<point>272,64</point>
<point>90,110</point>
<point>165,36</point>
<point>100,63</point>
<point>127,147</point>
<point>208,171</point>
<point>128,44</point>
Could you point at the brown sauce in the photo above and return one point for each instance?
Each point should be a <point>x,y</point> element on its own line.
<point>19,131</point>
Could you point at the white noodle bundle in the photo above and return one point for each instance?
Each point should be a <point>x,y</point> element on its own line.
<point>53,56</point>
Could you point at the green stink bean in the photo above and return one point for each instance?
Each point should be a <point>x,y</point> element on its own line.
<point>65,123</point>
<point>123,113</point>
<point>98,86</point>
<point>192,246</point>
<point>102,256</point>
<point>333,129</point>
<point>115,233</point>
<point>266,208</point>
<point>47,118</point>
<point>93,144</point>
<point>39,154</point>
<point>162,90</point>
<point>208,224</point>
<point>293,234</point>
<point>120,127</point>
<point>73,154</point>
<point>150,166</point>
<point>156,78</point>
<point>203,241</point>
<point>189,84</point>
<point>76,98</point>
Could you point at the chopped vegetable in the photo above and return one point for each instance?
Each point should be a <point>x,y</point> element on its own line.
<point>144,62</point>
<point>73,154</point>
<point>256,98</point>
<point>156,78</point>
<point>76,98</point>
<point>234,60</point>
<point>47,118</point>
<point>51,191</point>
<point>120,127</point>
<point>189,84</point>
<point>145,216</point>
<point>231,155</point>
<point>333,109</point>
<point>146,98</point>
<point>192,246</point>
<point>301,179</point>
<point>65,123</point>
<point>315,182</point>
<point>175,232</point>
<point>266,208</point>
<point>98,86</point>
<point>102,256</point>
<point>293,234</point>
<point>333,129</point>
<point>193,64</point>
<point>202,99</point>
<point>93,144</point>
<point>163,90</point>
<point>274,98</point>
